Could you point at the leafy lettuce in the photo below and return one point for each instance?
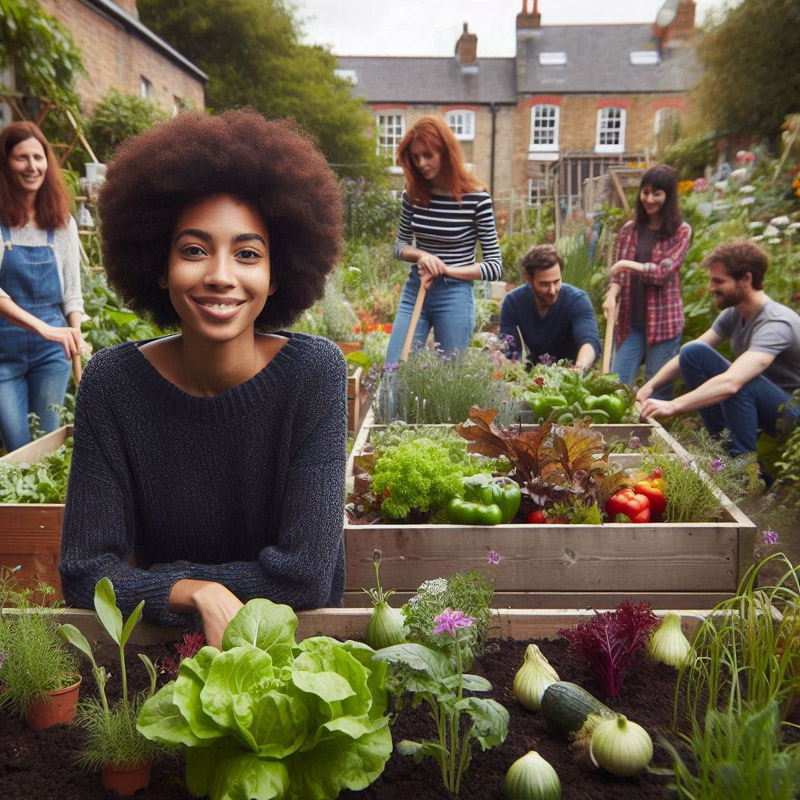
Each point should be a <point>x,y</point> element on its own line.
<point>269,718</point>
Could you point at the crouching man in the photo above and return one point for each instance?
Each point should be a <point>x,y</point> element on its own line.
<point>747,395</point>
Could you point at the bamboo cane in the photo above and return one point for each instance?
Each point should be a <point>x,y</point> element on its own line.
<point>608,344</point>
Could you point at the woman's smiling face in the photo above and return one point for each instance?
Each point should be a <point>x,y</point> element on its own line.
<point>218,275</point>
<point>27,162</point>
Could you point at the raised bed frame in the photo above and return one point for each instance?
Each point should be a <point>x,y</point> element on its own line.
<point>678,566</point>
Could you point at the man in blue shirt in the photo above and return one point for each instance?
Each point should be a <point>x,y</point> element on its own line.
<point>551,317</point>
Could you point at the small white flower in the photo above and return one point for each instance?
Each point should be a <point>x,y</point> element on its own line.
<point>354,269</point>
<point>779,222</point>
<point>755,225</point>
<point>771,230</point>
<point>747,189</point>
<point>774,240</point>
<point>738,174</point>
<point>756,238</point>
<point>747,201</point>
<point>793,228</point>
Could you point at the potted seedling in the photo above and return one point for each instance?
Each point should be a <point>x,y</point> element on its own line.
<point>39,676</point>
<point>113,745</point>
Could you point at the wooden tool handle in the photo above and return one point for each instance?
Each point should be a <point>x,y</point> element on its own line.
<point>412,326</point>
<point>77,369</point>
<point>609,340</point>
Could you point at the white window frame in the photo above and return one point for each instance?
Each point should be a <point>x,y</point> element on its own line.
<point>645,58</point>
<point>390,127</point>
<point>539,147</point>
<point>661,116</point>
<point>462,122</point>
<point>603,119</point>
<point>145,88</point>
<point>543,190</point>
<point>556,58</point>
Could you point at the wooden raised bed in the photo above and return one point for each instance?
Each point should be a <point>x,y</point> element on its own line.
<point>30,535</point>
<point>691,565</point>
<point>357,400</point>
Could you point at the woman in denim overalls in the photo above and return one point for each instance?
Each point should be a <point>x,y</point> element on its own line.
<point>39,284</point>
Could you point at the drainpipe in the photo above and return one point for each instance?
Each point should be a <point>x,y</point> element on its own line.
<point>493,112</point>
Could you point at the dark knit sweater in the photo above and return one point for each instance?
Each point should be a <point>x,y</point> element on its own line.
<point>245,488</point>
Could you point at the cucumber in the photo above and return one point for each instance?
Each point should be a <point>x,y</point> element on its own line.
<point>566,707</point>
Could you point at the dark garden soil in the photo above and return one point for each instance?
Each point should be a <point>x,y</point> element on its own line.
<point>39,766</point>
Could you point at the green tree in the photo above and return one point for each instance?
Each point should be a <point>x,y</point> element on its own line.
<point>751,59</point>
<point>45,58</point>
<point>252,53</point>
<point>118,116</point>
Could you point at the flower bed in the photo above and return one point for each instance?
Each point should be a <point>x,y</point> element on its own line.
<point>686,565</point>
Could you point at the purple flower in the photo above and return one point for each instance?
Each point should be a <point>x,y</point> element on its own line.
<point>546,359</point>
<point>391,367</point>
<point>450,621</point>
<point>493,557</point>
<point>718,465</point>
<point>634,443</point>
<point>770,537</point>
<point>688,463</point>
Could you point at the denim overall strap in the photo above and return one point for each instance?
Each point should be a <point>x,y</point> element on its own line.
<point>29,275</point>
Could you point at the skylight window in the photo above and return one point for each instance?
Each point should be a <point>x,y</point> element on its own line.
<point>555,59</point>
<point>642,58</point>
<point>347,74</point>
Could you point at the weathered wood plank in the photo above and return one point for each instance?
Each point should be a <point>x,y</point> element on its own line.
<point>39,448</point>
<point>582,600</point>
<point>350,623</point>
<point>696,557</point>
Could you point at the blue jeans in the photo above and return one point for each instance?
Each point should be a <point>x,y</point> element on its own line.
<point>448,308</point>
<point>753,407</point>
<point>634,350</point>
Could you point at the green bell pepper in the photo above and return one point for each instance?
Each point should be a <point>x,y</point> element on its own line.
<point>542,404</point>
<point>462,512</point>
<point>487,490</point>
<point>613,404</point>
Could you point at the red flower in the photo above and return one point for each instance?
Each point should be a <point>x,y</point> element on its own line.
<point>356,329</point>
<point>539,381</point>
<point>497,375</point>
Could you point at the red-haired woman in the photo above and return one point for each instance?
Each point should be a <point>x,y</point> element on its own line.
<point>40,289</point>
<point>446,211</point>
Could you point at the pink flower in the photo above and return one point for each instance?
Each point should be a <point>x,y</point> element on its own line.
<point>700,185</point>
<point>770,537</point>
<point>493,557</point>
<point>449,621</point>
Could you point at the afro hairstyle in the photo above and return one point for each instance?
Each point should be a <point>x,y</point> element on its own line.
<point>270,164</point>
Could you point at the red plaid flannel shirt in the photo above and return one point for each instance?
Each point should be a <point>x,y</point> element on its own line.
<point>662,289</point>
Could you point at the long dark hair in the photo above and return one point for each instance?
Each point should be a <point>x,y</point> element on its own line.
<point>434,133</point>
<point>52,199</point>
<point>664,178</point>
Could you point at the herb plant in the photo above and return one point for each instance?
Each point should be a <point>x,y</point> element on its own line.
<point>746,651</point>
<point>267,717</point>
<point>189,646</point>
<point>417,478</point>
<point>42,482</point>
<point>737,756</point>
<point>36,661</point>
<point>439,681</point>
<point>111,735</point>
<point>609,641</point>
<point>471,592</point>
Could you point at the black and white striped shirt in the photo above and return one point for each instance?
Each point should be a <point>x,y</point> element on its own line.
<point>451,232</point>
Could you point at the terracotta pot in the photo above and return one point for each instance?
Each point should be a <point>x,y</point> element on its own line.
<point>55,708</point>
<point>349,347</point>
<point>127,779</point>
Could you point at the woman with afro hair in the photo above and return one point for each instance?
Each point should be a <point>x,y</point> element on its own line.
<point>208,466</point>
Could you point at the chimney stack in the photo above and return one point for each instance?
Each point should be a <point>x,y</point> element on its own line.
<point>529,21</point>
<point>467,49</point>
<point>681,30</point>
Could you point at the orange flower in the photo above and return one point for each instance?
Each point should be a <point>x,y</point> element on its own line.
<point>356,329</point>
<point>497,375</point>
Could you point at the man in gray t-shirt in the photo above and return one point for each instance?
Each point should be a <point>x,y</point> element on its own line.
<point>750,393</point>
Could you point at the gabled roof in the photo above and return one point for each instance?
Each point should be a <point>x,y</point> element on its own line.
<point>598,60</point>
<point>135,27</point>
<point>395,79</point>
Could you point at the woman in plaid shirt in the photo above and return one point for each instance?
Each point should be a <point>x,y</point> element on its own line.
<point>644,280</point>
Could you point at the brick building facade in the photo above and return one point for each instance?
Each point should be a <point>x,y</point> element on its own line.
<point>573,100</point>
<point>119,52</point>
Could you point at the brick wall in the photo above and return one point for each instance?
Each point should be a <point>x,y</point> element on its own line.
<point>478,151</point>
<point>116,58</point>
<point>578,124</point>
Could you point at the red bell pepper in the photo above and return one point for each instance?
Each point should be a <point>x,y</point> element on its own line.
<point>653,490</point>
<point>537,517</point>
<point>636,507</point>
